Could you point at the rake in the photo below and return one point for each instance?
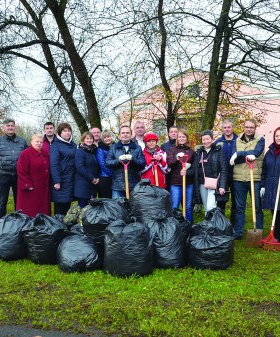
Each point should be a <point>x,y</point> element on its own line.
<point>270,243</point>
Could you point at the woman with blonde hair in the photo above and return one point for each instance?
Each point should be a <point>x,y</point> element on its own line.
<point>34,179</point>
<point>174,155</point>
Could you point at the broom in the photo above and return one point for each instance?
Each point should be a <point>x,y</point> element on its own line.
<point>270,243</point>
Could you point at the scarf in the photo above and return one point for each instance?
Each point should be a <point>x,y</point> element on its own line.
<point>91,149</point>
<point>276,149</point>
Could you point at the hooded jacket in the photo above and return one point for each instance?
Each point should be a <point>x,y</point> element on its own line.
<point>62,167</point>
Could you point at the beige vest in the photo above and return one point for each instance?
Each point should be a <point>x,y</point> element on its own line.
<point>241,172</point>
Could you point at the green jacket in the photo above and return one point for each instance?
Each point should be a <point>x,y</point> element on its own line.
<point>243,148</point>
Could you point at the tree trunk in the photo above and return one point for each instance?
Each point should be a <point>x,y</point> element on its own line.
<point>77,63</point>
<point>161,66</point>
<point>217,68</point>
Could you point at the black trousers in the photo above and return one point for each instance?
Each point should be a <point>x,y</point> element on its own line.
<point>7,181</point>
<point>105,187</point>
<point>61,207</point>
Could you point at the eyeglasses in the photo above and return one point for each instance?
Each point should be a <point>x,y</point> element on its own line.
<point>249,127</point>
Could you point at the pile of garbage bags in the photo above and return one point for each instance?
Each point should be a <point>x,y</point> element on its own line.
<point>210,244</point>
<point>121,237</point>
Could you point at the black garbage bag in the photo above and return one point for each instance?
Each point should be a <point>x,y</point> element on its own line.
<point>12,245</point>
<point>59,217</point>
<point>98,215</point>
<point>128,249</point>
<point>206,251</point>
<point>77,253</point>
<point>186,225</point>
<point>148,201</point>
<point>42,236</point>
<point>216,224</point>
<point>78,229</point>
<point>169,242</point>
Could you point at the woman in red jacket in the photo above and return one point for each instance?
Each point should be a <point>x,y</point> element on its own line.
<point>34,179</point>
<point>155,161</point>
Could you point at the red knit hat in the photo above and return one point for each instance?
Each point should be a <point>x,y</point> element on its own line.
<point>150,136</point>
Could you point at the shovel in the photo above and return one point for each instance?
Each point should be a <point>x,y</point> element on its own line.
<point>125,165</point>
<point>253,236</point>
<point>184,161</point>
<point>155,164</point>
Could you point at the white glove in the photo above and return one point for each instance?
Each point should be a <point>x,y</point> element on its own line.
<point>188,165</point>
<point>251,157</point>
<point>128,157</point>
<point>262,192</point>
<point>179,155</point>
<point>232,159</point>
<point>122,157</point>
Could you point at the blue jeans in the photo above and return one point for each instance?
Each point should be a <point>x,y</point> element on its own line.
<point>241,190</point>
<point>176,192</point>
<point>7,181</point>
<point>118,194</point>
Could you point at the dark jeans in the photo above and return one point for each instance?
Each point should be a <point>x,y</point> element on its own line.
<point>61,207</point>
<point>7,181</point>
<point>241,190</point>
<point>222,204</point>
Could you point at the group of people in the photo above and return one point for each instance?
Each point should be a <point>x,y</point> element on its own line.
<point>54,168</point>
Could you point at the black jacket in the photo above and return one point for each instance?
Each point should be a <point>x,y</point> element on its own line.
<point>136,165</point>
<point>215,163</point>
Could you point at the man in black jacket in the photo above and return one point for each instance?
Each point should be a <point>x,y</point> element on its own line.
<point>11,146</point>
<point>125,150</point>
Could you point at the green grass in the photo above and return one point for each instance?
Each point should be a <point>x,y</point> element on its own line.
<point>240,301</point>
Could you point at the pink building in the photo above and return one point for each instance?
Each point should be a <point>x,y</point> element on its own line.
<point>189,90</point>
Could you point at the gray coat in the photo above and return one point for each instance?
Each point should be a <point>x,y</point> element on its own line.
<point>10,149</point>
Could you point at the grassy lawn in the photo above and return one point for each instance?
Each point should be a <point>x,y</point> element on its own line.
<point>243,300</point>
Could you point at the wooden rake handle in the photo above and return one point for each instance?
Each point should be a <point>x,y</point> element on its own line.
<point>251,164</point>
<point>184,161</point>
<point>276,205</point>
<point>155,165</point>
<point>125,166</point>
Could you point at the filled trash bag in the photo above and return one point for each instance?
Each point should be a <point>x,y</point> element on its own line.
<point>78,229</point>
<point>210,252</point>
<point>12,245</point>
<point>147,201</point>
<point>169,242</point>
<point>185,224</point>
<point>216,224</point>
<point>77,253</point>
<point>42,236</point>
<point>128,249</point>
<point>98,215</point>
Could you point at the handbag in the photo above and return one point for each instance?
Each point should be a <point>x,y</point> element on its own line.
<point>209,183</point>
